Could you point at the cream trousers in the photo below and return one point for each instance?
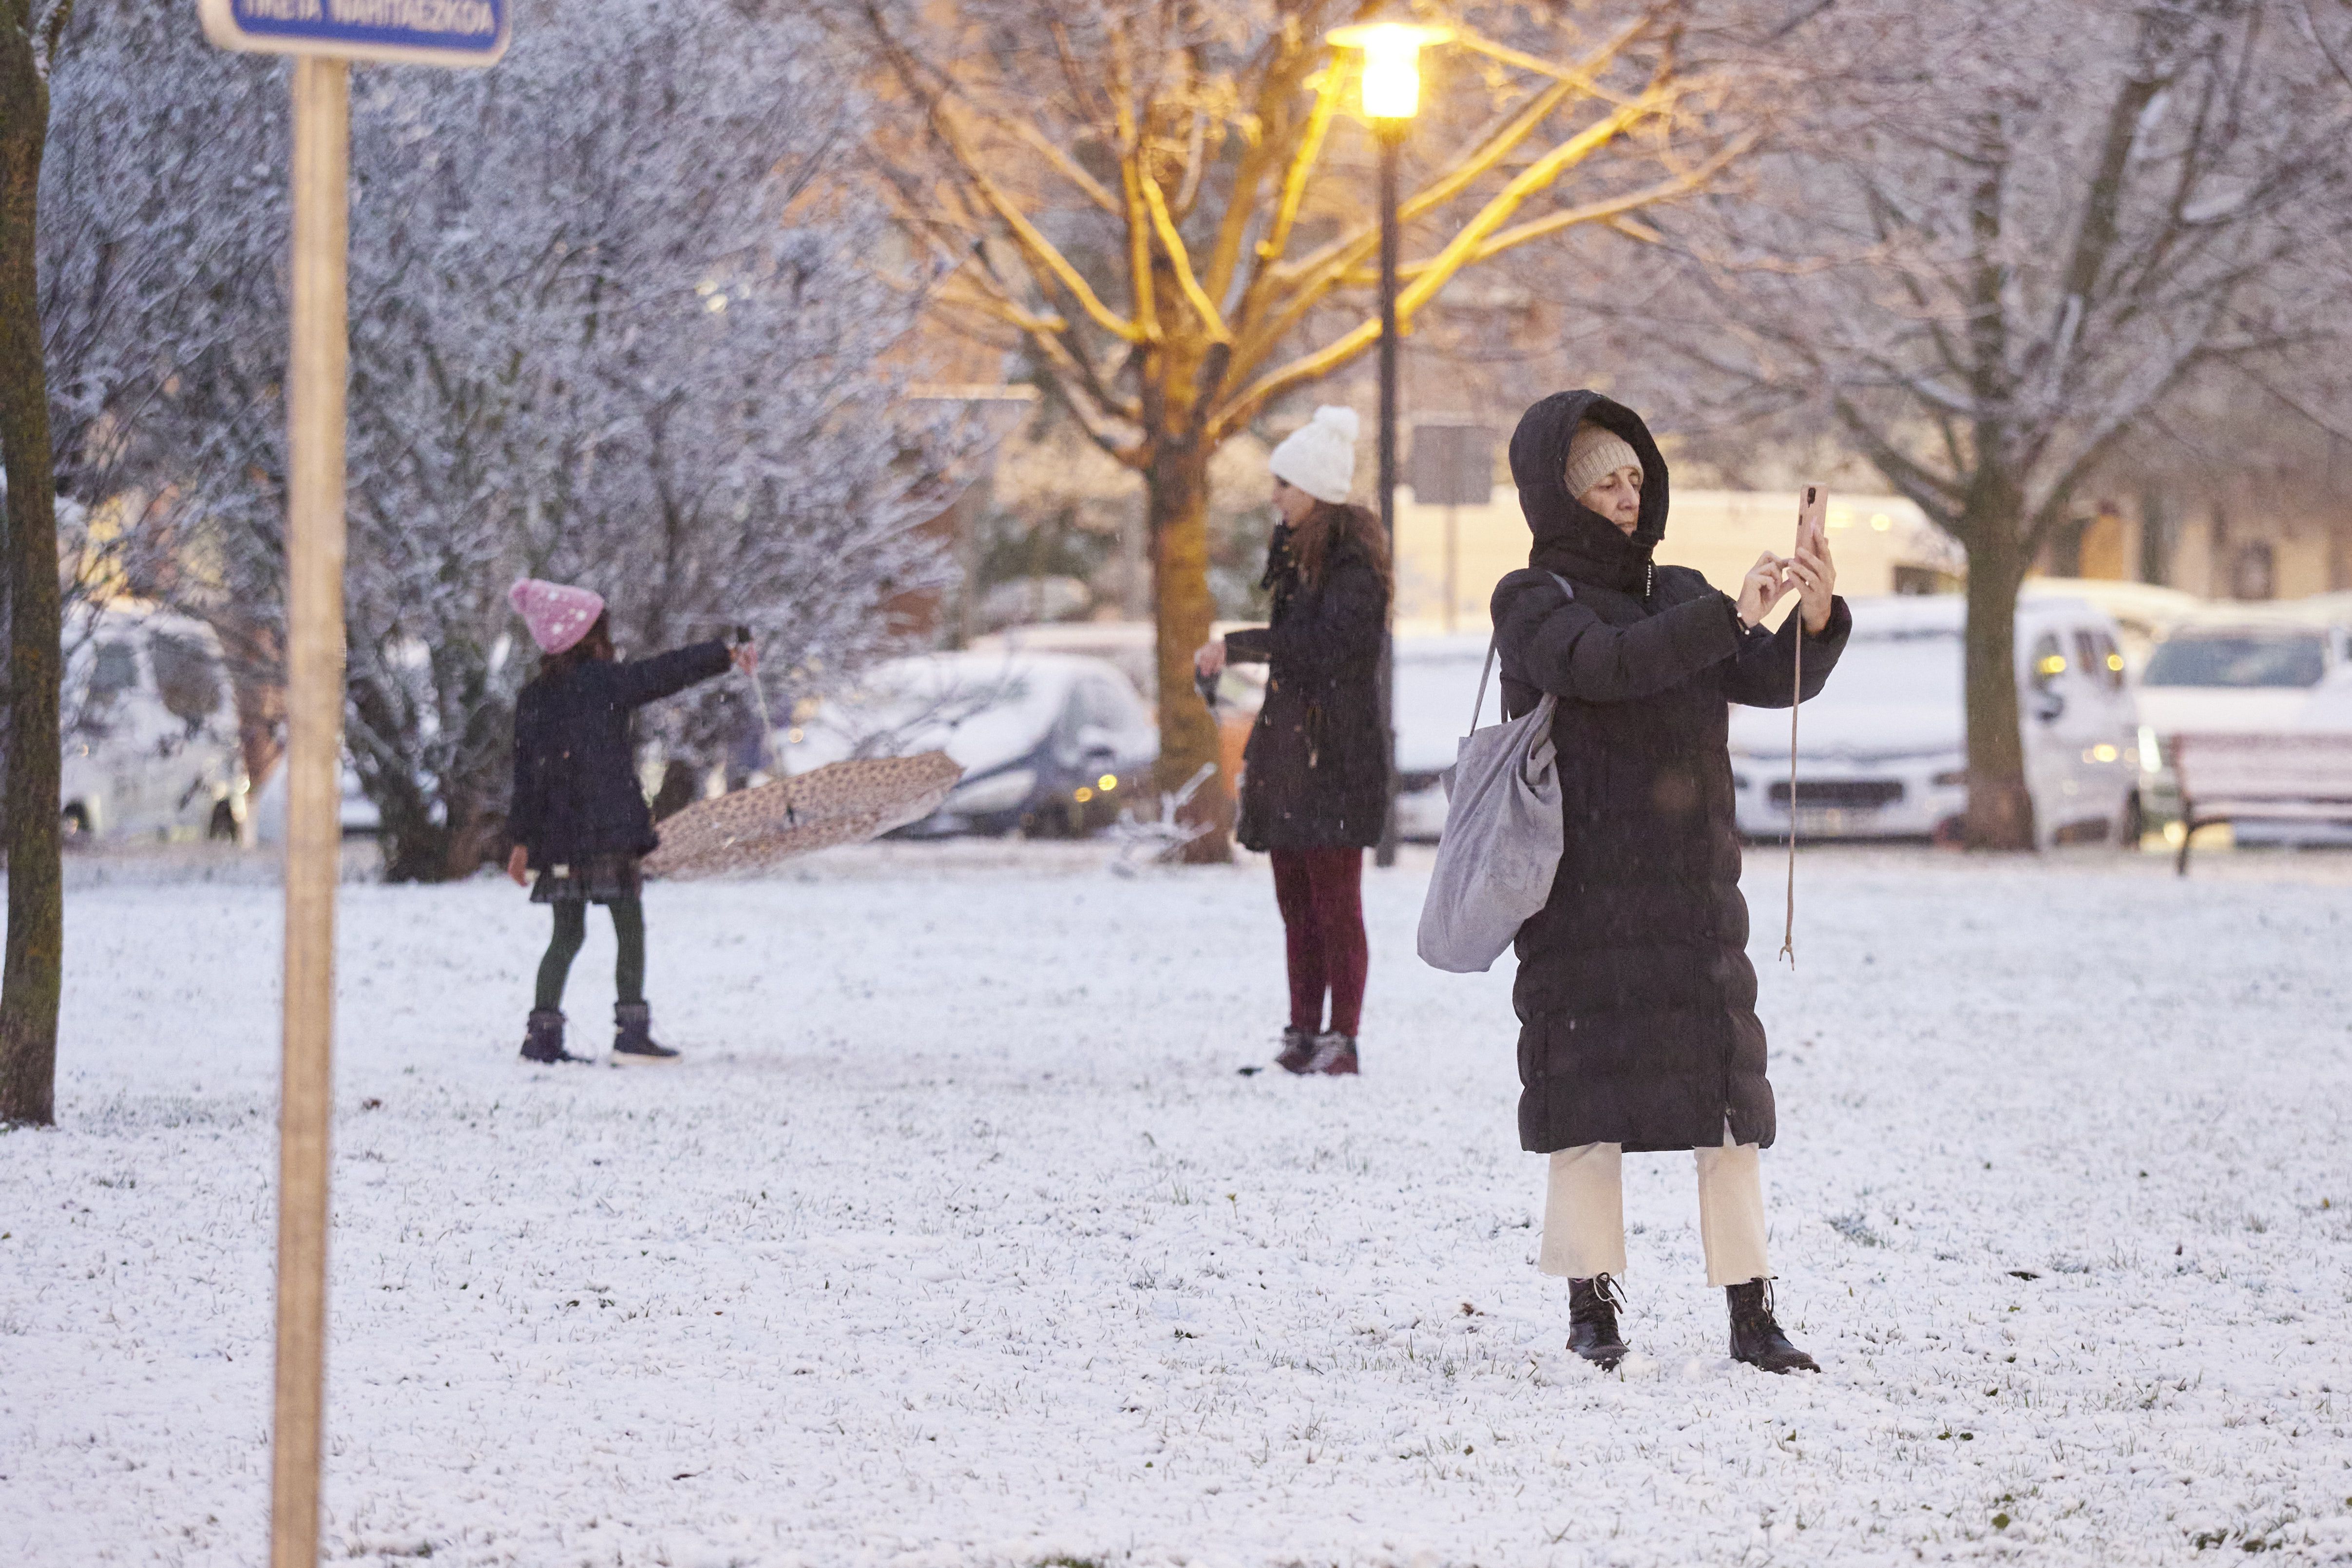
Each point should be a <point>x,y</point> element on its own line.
<point>1584,1213</point>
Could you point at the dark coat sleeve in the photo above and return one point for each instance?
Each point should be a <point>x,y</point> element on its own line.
<point>1560,646</point>
<point>643,680</point>
<point>1760,676</point>
<point>525,809</point>
<point>1342,624</point>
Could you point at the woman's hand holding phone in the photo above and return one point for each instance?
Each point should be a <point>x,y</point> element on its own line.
<point>1812,572</point>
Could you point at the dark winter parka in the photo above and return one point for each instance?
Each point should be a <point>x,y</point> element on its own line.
<point>1315,775</point>
<point>576,781</point>
<point>1635,998</point>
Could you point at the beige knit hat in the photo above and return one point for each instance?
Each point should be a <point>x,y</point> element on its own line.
<point>1594,453</point>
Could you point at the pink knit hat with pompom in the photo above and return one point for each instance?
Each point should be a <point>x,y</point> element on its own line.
<point>557,614</point>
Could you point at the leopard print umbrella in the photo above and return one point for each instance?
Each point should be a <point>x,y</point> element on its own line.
<point>841,803</point>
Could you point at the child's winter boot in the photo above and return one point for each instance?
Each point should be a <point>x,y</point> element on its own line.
<point>633,1034</point>
<point>542,1039</point>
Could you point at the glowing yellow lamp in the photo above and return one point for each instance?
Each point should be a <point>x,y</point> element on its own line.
<point>1391,80</point>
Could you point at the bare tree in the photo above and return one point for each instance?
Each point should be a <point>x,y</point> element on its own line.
<point>1142,199</point>
<point>1996,238</point>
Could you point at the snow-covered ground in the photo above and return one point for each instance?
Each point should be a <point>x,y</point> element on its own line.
<point>960,1241</point>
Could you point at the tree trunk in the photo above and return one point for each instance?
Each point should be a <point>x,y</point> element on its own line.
<point>2000,809</point>
<point>1176,514</point>
<point>36,945</point>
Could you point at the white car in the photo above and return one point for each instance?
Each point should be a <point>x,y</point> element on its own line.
<point>148,724</point>
<point>1436,679</point>
<point>1050,744</point>
<point>2244,671</point>
<point>358,815</point>
<point>1882,752</point>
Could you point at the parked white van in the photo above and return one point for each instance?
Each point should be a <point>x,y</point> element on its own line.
<point>1882,752</point>
<point>149,723</point>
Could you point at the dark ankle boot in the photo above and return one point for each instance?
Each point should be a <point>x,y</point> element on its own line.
<point>1298,1049</point>
<point>1335,1055</point>
<point>542,1039</point>
<point>1756,1337</point>
<point>1592,1333</point>
<point>633,1034</point>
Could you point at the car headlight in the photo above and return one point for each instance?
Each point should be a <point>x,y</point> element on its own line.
<point>997,792</point>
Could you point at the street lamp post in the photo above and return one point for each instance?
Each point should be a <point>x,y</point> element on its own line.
<point>1391,96</point>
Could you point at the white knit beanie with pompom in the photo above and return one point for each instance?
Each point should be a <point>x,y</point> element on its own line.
<point>1319,456</point>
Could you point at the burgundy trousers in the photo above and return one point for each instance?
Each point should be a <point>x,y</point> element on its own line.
<point>1320,894</point>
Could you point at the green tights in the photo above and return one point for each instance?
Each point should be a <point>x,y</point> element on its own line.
<point>572,930</point>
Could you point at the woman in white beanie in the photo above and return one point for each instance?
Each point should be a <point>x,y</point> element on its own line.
<point>1314,778</point>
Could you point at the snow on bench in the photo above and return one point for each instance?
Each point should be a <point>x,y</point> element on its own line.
<point>2261,778</point>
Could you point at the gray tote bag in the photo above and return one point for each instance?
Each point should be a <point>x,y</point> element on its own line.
<point>1502,836</point>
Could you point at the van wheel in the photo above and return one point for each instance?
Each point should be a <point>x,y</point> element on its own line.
<point>223,826</point>
<point>74,822</point>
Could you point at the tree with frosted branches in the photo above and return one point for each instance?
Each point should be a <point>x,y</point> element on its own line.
<point>1996,238</point>
<point>1149,202</point>
<point>606,323</point>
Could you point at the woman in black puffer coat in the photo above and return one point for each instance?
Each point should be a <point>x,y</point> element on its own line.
<point>579,816</point>
<point>1315,777</point>
<point>1635,997</point>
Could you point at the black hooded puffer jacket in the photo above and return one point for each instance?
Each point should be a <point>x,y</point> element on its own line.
<point>1635,997</point>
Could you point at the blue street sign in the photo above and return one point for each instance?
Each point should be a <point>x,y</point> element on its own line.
<point>418,32</point>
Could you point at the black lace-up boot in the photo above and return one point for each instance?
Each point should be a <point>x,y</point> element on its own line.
<point>1298,1049</point>
<point>633,1034</point>
<point>1756,1337</point>
<point>542,1039</point>
<point>1593,1308</point>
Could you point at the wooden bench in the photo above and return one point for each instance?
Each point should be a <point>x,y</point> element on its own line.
<point>2261,778</point>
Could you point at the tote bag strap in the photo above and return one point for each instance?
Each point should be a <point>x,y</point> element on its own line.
<point>1487,668</point>
<point>1484,670</point>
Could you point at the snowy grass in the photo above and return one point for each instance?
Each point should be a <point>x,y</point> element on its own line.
<point>960,1241</point>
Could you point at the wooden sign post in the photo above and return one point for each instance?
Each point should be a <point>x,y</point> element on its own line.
<point>325,37</point>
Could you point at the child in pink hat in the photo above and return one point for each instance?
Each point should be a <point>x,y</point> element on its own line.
<point>579,817</point>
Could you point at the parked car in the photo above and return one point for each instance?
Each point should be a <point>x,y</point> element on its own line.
<point>1881,752</point>
<point>2143,612</point>
<point>1436,676</point>
<point>2240,670</point>
<point>1051,744</point>
<point>148,724</point>
<point>1130,645</point>
<point>358,814</point>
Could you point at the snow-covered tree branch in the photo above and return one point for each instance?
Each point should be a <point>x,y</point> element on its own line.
<point>1994,239</point>
<point>610,322</point>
